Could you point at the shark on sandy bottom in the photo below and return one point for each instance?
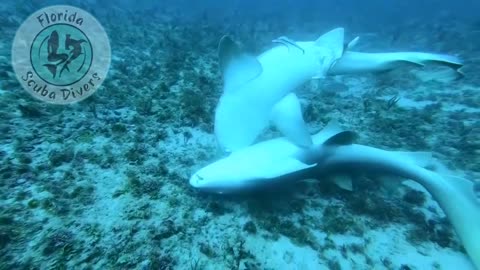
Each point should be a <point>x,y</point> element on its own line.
<point>259,90</point>
<point>333,155</point>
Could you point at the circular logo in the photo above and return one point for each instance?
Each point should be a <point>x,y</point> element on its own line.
<point>61,54</point>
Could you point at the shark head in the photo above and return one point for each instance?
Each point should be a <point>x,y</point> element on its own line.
<point>250,168</point>
<point>267,163</point>
<point>216,178</point>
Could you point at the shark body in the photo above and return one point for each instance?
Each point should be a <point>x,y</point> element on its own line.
<point>254,85</point>
<point>259,90</point>
<point>279,161</point>
<point>360,62</point>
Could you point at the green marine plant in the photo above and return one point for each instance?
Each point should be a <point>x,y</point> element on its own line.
<point>119,128</point>
<point>24,158</point>
<point>137,153</point>
<point>337,221</point>
<point>142,212</point>
<point>236,253</point>
<point>208,250</point>
<point>414,197</point>
<point>59,156</point>
<point>33,203</point>
<point>392,101</point>
<point>250,227</point>
<point>216,208</point>
<point>333,264</point>
<point>194,107</point>
<point>144,106</point>
<point>61,241</point>
<point>30,111</point>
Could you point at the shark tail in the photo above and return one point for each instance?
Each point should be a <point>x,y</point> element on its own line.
<point>358,62</point>
<point>449,61</point>
<point>460,200</point>
<point>455,65</point>
<point>52,68</point>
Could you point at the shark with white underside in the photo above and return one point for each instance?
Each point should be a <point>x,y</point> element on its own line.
<point>259,90</point>
<point>333,155</point>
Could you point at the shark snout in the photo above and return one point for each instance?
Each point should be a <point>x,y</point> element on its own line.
<point>195,180</point>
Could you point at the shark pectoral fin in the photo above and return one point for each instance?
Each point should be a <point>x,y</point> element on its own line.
<point>287,118</point>
<point>237,66</point>
<point>284,167</point>
<point>334,40</point>
<point>343,181</point>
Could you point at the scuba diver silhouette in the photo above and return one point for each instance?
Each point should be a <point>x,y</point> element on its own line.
<point>74,46</point>
<point>76,50</point>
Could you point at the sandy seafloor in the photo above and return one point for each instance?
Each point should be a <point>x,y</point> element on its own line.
<point>103,184</point>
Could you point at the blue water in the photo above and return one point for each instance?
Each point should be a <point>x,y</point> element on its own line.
<point>104,183</point>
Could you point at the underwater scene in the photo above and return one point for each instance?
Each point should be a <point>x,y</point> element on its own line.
<point>181,134</point>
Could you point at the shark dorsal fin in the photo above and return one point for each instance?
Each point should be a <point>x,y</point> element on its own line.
<point>332,133</point>
<point>333,40</point>
<point>341,138</point>
<point>351,44</point>
<point>238,67</point>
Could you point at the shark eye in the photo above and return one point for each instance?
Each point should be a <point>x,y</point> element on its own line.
<point>200,178</point>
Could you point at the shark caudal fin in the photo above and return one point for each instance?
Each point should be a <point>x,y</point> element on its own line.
<point>460,200</point>
<point>333,40</point>
<point>422,59</point>
<point>359,62</point>
<point>450,61</point>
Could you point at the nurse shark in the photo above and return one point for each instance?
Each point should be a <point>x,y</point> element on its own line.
<point>333,155</point>
<point>260,89</point>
